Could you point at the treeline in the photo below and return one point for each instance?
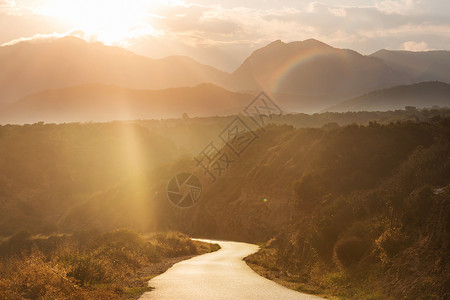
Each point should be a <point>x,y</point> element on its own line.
<point>193,133</point>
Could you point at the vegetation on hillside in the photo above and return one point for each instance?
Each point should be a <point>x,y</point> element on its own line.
<point>372,216</point>
<point>46,169</point>
<point>87,265</point>
<point>354,210</point>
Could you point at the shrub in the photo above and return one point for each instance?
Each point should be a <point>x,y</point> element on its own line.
<point>308,191</point>
<point>390,242</point>
<point>349,250</point>
<point>32,277</point>
<point>19,241</point>
<point>87,270</point>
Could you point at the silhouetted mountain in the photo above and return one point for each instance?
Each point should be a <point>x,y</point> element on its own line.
<point>95,102</point>
<point>420,95</point>
<point>30,67</point>
<point>311,69</point>
<point>418,66</point>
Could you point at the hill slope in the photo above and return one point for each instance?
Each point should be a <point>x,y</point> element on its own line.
<point>95,102</point>
<point>351,207</point>
<point>420,95</point>
<point>31,67</point>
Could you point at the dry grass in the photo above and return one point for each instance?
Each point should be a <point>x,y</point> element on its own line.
<point>113,265</point>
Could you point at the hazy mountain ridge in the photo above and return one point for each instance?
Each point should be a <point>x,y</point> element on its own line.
<point>312,68</point>
<point>419,95</point>
<point>96,102</point>
<point>31,67</point>
<point>304,76</point>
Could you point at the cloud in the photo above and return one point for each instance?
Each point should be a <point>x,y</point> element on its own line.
<point>198,19</point>
<point>9,7</point>
<point>401,7</point>
<point>237,27</point>
<point>415,46</point>
<point>38,38</point>
<point>35,38</point>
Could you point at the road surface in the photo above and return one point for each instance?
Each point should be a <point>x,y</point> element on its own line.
<point>219,275</point>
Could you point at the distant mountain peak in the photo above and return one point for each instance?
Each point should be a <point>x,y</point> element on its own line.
<point>71,38</point>
<point>276,43</point>
<point>314,42</point>
<point>70,61</point>
<point>279,44</point>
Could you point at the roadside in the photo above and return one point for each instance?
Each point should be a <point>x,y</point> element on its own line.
<point>137,285</point>
<point>357,282</point>
<point>263,262</point>
<point>88,264</point>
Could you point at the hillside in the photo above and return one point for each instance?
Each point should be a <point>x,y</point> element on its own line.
<point>46,169</point>
<point>350,206</point>
<point>31,67</point>
<point>95,102</point>
<point>418,66</point>
<point>419,95</point>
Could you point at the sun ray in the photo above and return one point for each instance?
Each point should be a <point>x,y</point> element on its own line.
<point>108,21</point>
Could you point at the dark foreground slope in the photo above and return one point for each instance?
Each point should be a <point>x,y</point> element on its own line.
<point>355,211</point>
<point>348,209</point>
<point>371,218</point>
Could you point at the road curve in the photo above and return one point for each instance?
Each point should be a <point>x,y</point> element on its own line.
<point>219,275</point>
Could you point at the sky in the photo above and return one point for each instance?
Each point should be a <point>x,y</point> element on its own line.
<point>223,34</point>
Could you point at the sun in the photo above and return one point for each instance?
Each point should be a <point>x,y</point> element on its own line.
<point>108,21</point>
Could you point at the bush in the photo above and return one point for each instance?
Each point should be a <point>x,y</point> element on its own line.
<point>349,250</point>
<point>32,277</point>
<point>19,241</point>
<point>390,243</point>
<point>308,191</point>
<point>87,270</point>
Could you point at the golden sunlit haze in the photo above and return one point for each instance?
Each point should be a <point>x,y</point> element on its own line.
<point>109,21</point>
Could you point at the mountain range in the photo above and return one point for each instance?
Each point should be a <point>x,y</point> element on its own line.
<point>31,67</point>
<point>419,95</point>
<point>312,68</point>
<point>69,79</point>
<point>100,102</point>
